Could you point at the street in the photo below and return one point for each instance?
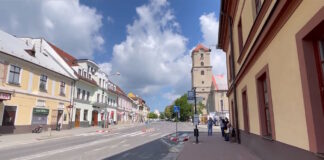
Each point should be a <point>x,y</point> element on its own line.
<point>117,144</point>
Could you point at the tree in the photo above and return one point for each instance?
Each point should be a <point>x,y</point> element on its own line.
<point>185,107</point>
<point>200,107</point>
<point>152,115</point>
<point>162,116</point>
<point>168,112</point>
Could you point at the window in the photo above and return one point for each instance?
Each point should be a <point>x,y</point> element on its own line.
<point>88,95</point>
<point>98,97</point>
<point>84,74</point>
<point>245,111</point>
<point>320,67</point>
<point>83,94</point>
<point>65,117</point>
<point>106,99</point>
<point>257,6</point>
<point>78,93</point>
<point>89,76</point>
<point>9,116</point>
<point>202,63</point>
<point>102,98</point>
<point>201,55</point>
<point>202,82</point>
<point>85,115</point>
<point>202,72</point>
<point>62,88</point>
<point>240,35</point>
<point>79,71</point>
<point>14,74</point>
<point>264,106</point>
<point>43,83</point>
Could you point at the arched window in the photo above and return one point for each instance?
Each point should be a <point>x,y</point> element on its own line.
<point>202,63</point>
<point>202,72</point>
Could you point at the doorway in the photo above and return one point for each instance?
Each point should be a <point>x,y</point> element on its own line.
<point>94,118</point>
<point>9,116</point>
<point>77,118</point>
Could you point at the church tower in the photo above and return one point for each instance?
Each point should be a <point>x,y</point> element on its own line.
<point>201,72</point>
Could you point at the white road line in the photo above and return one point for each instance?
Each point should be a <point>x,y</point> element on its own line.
<point>108,135</point>
<point>155,134</point>
<point>48,153</point>
<point>137,134</point>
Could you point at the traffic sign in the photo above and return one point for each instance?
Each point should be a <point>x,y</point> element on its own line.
<point>196,119</point>
<point>176,109</point>
<point>191,95</point>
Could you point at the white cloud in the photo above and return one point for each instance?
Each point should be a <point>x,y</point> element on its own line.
<point>105,67</point>
<point>171,96</point>
<point>209,29</point>
<point>154,53</point>
<point>68,24</point>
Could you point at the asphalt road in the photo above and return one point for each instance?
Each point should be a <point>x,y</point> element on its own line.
<point>129,143</point>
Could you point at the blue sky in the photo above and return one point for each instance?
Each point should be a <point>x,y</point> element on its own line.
<point>147,41</point>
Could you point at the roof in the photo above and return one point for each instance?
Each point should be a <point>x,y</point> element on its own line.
<point>219,82</point>
<point>44,56</point>
<point>70,60</point>
<point>201,47</point>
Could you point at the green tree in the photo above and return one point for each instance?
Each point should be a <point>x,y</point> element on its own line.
<point>185,108</point>
<point>168,112</point>
<point>152,115</point>
<point>162,116</point>
<point>200,107</point>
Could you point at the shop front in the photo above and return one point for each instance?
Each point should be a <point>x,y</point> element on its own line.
<point>39,117</point>
<point>7,114</point>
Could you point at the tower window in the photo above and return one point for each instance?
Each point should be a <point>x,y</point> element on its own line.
<point>202,82</point>
<point>202,72</point>
<point>202,63</point>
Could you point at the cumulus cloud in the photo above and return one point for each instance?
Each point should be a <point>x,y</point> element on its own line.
<point>68,24</point>
<point>209,29</point>
<point>154,53</point>
<point>105,67</point>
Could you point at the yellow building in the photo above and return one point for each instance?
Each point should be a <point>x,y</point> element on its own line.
<point>275,56</point>
<point>35,86</point>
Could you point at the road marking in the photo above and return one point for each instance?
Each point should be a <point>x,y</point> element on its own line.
<point>133,135</point>
<point>48,153</point>
<point>108,135</point>
<point>155,134</point>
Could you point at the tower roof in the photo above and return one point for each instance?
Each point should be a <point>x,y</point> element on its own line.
<point>201,47</point>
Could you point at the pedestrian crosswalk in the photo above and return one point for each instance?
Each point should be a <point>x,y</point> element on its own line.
<point>151,132</point>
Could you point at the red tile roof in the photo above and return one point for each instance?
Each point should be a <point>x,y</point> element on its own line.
<point>199,47</point>
<point>70,60</point>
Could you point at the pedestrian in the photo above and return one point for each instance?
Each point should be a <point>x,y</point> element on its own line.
<point>222,121</point>
<point>210,126</point>
<point>226,129</point>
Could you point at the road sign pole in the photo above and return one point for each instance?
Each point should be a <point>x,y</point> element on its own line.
<point>196,129</point>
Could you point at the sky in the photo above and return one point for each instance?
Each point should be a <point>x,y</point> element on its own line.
<point>147,41</point>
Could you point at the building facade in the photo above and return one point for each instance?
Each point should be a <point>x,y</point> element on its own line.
<point>35,87</point>
<point>275,53</point>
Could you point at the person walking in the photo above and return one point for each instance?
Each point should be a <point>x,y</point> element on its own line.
<point>210,126</point>
<point>222,121</point>
<point>226,129</point>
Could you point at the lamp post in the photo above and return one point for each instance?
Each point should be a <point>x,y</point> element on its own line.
<point>196,132</point>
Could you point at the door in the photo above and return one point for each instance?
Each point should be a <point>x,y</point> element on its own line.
<point>54,119</point>
<point>9,116</point>
<point>77,118</point>
<point>60,118</point>
<point>94,118</point>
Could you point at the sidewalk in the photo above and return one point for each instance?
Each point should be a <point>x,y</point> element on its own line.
<point>214,148</point>
<point>8,140</point>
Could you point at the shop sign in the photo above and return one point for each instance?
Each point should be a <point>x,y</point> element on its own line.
<point>42,111</point>
<point>5,96</point>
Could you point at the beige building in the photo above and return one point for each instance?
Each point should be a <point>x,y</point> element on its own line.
<point>275,53</point>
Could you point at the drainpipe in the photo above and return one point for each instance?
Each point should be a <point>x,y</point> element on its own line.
<point>230,24</point>
<point>72,101</point>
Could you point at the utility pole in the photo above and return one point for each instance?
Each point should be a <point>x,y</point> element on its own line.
<point>196,132</point>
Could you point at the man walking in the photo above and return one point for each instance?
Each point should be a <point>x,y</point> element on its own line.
<point>210,126</point>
